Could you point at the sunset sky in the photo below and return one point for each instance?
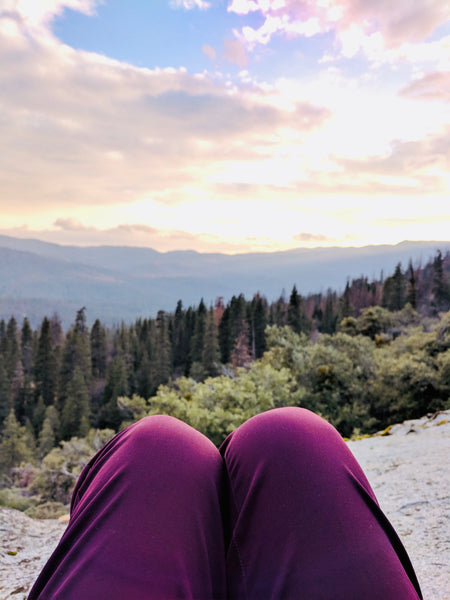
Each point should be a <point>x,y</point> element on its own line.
<point>225,125</point>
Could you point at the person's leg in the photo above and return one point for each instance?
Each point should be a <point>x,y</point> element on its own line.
<point>304,521</point>
<point>146,521</point>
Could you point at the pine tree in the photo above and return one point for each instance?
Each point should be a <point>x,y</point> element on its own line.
<point>47,437</point>
<point>259,323</point>
<point>14,444</point>
<point>224,337</point>
<point>294,318</point>
<point>26,347</point>
<point>179,340</point>
<point>161,364</point>
<point>27,389</point>
<point>144,386</point>
<point>189,334</point>
<point>279,312</point>
<point>210,353</point>
<point>53,415</point>
<point>98,350</point>
<point>76,411</point>
<point>116,386</point>
<point>56,331</point>
<point>317,313</point>
<point>399,287</point>
<point>46,367</point>
<point>80,322</point>
<point>346,309</point>
<point>441,290</point>
<point>39,415</point>
<point>199,333</point>
<point>329,316</point>
<point>21,407</point>
<point>238,319</point>
<point>412,291</point>
<point>394,290</point>
<point>5,394</point>
<point>2,335</point>
<point>76,353</point>
<point>11,354</point>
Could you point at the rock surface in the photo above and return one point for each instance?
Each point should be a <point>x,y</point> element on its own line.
<point>408,471</point>
<point>25,546</point>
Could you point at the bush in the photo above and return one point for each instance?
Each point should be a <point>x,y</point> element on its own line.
<point>14,498</point>
<point>46,510</point>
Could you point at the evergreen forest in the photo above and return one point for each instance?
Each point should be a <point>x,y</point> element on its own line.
<point>375,354</point>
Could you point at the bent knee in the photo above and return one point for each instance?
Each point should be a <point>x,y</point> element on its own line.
<point>281,431</point>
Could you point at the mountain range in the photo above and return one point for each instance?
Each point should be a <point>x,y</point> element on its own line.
<point>121,283</point>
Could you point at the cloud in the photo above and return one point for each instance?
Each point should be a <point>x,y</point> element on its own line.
<point>405,221</point>
<point>95,140</point>
<point>431,86</point>
<point>71,225</point>
<point>38,15</point>
<point>234,53</point>
<point>83,129</point>
<point>243,7</point>
<point>209,52</point>
<point>399,22</point>
<point>190,4</point>
<point>413,159</point>
<point>311,237</point>
<point>136,227</point>
<point>376,27</point>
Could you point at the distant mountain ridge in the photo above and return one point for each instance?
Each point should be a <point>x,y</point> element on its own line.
<point>118,283</point>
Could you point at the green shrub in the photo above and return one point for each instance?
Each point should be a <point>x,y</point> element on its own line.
<point>47,510</point>
<point>13,498</point>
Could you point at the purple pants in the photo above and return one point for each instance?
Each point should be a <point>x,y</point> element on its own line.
<point>283,511</point>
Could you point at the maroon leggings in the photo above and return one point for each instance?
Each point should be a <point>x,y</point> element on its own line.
<point>282,511</point>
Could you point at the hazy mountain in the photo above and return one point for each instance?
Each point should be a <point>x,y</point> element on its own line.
<point>121,283</point>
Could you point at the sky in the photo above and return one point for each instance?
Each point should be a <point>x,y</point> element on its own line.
<point>225,125</point>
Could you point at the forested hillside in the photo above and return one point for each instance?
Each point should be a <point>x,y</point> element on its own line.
<point>377,354</point>
<point>124,283</point>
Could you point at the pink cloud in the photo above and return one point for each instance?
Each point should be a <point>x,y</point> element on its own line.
<point>432,86</point>
<point>209,52</point>
<point>355,22</point>
<point>70,224</point>
<point>234,53</point>
<point>311,237</point>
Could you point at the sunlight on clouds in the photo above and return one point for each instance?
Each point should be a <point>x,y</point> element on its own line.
<point>201,212</point>
<point>38,13</point>
<point>352,39</point>
<point>243,7</point>
<point>258,224</point>
<point>190,4</point>
<point>114,155</point>
<point>209,160</point>
<point>9,28</point>
<point>395,180</point>
<point>431,86</point>
<point>384,33</point>
<point>362,122</point>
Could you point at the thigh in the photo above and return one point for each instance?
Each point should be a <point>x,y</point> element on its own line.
<point>304,521</point>
<point>146,520</point>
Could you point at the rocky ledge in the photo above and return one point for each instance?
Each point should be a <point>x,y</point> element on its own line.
<point>407,467</point>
